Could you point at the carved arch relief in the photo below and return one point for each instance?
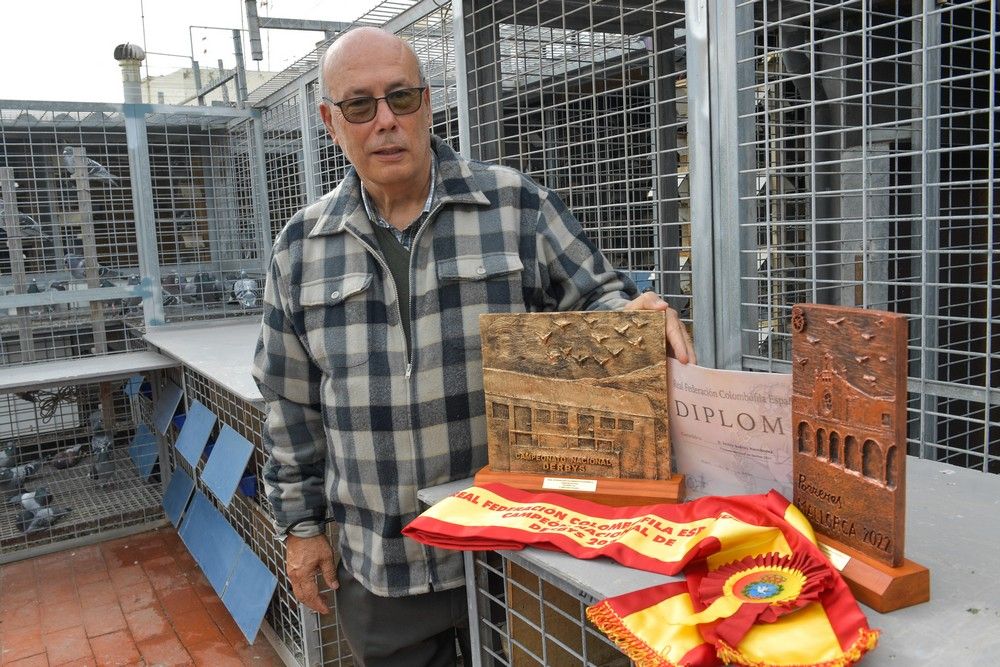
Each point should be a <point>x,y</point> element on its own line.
<point>852,454</point>
<point>805,440</point>
<point>872,463</point>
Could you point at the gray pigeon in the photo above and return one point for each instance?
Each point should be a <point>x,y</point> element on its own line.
<point>16,477</point>
<point>68,457</point>
<point>7,456</point>
<point>101,440</point>
<point>30,227</point>
<point>29,522</point>
<point>33,287</point>
<point>128,303</point>
<point>95,170</point>
<point>76,264</point>
<point>102,470</point>
<point>105,272</point>
<point>207,288</point>
<point>96,420</point>
<point>33,500</point>
<point>245,290</point>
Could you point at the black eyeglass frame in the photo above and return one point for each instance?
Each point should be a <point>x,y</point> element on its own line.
<point>387,97</point>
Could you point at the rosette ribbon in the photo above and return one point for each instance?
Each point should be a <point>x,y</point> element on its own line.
<point>757,590</point>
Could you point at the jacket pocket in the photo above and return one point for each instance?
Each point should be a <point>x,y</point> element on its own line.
<point>479,267</point>
<point>473,285</point>
<point>336,318</point>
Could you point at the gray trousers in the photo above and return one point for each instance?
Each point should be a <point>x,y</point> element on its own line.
<point>412,631</point>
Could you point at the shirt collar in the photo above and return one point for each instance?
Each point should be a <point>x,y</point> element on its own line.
<point>372,211</point>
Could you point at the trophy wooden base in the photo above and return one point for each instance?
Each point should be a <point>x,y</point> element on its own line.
<point>882,587</point>
<point>606,491</point>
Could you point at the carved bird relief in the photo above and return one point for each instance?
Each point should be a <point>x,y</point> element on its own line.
<point>590,320</point>
<point>581,358</point>
<point>545,336</point>
<point>870,378</point>
<point>867,336</point>
<point>812,339</point>
<point>563,323</point>
<point>802,361</point>
<point>835,322</point>
<point>622,329</point>
<point>862,359</point>
<point>599,337</point>
<point>602,362</point>
<point>633,343</point>
<point>639,323</point>
<point>615,353</point>
<point>883,359</point>
<point>566,350</point>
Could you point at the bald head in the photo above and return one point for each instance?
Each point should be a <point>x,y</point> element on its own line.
<point>349,45</point>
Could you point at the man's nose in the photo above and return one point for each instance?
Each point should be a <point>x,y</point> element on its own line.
<point>384,116</point>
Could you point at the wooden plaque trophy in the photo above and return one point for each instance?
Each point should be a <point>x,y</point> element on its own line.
<point>849,455</point>
<point>576,402</point>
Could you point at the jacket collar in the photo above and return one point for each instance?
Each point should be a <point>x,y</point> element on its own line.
<point>343,207</point>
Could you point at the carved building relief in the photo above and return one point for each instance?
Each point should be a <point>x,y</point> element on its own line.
<point>849,411</point>
<point>577,394</point>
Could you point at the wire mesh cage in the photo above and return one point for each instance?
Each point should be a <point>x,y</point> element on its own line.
<point>76,462</point>
<point>205,200</point>
<point>311,639</point>
<point>525,618</point>
<point>868,179</point>
<point>67,229</point>
<point>590,99</point>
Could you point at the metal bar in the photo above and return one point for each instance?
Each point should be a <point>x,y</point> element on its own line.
<point>142,198</point>
<point>730,44</point>
<point>459,38</point>
<point>13,225</point>
<point>307,144</point>
<point>84,208</point>
<point>929,136</point>
<point>700,182</point>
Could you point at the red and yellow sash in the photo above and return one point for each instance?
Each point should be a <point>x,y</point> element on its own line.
<point>757,590</point>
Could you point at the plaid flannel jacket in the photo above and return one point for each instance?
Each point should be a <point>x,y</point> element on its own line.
<point>358,419</point>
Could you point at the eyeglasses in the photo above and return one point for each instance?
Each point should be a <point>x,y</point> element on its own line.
<point>401,102</point>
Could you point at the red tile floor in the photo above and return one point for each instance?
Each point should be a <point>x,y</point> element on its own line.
<point>138,600</point>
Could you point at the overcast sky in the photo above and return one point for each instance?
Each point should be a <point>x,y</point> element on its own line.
<point>63,49</point>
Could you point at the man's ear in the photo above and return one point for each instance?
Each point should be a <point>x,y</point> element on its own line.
<point>327,116</point>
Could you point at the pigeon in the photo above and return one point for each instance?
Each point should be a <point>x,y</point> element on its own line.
<point>76,264</point>
<point>7,456</point>
<point>16,477</point>
<point>96,419</point>
<point>59,285</point>
<point>178,290</point>
<point>32,500</point>
<point>131,302</point>
<point>95,170</point>
<point>29,522</point>
<point>68,457</point>
<point>103,468</point>
<point>207,288</point>
<point>101,440</point>
<point>245,290</point>
<point>30,227</point>
<point>105,272</point>
<point>33,287</point>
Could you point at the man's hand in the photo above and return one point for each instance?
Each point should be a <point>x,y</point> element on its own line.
<point>677,335</point>
<point>304,557</point>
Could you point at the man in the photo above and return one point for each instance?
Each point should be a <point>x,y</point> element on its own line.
<point>369,356</point>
